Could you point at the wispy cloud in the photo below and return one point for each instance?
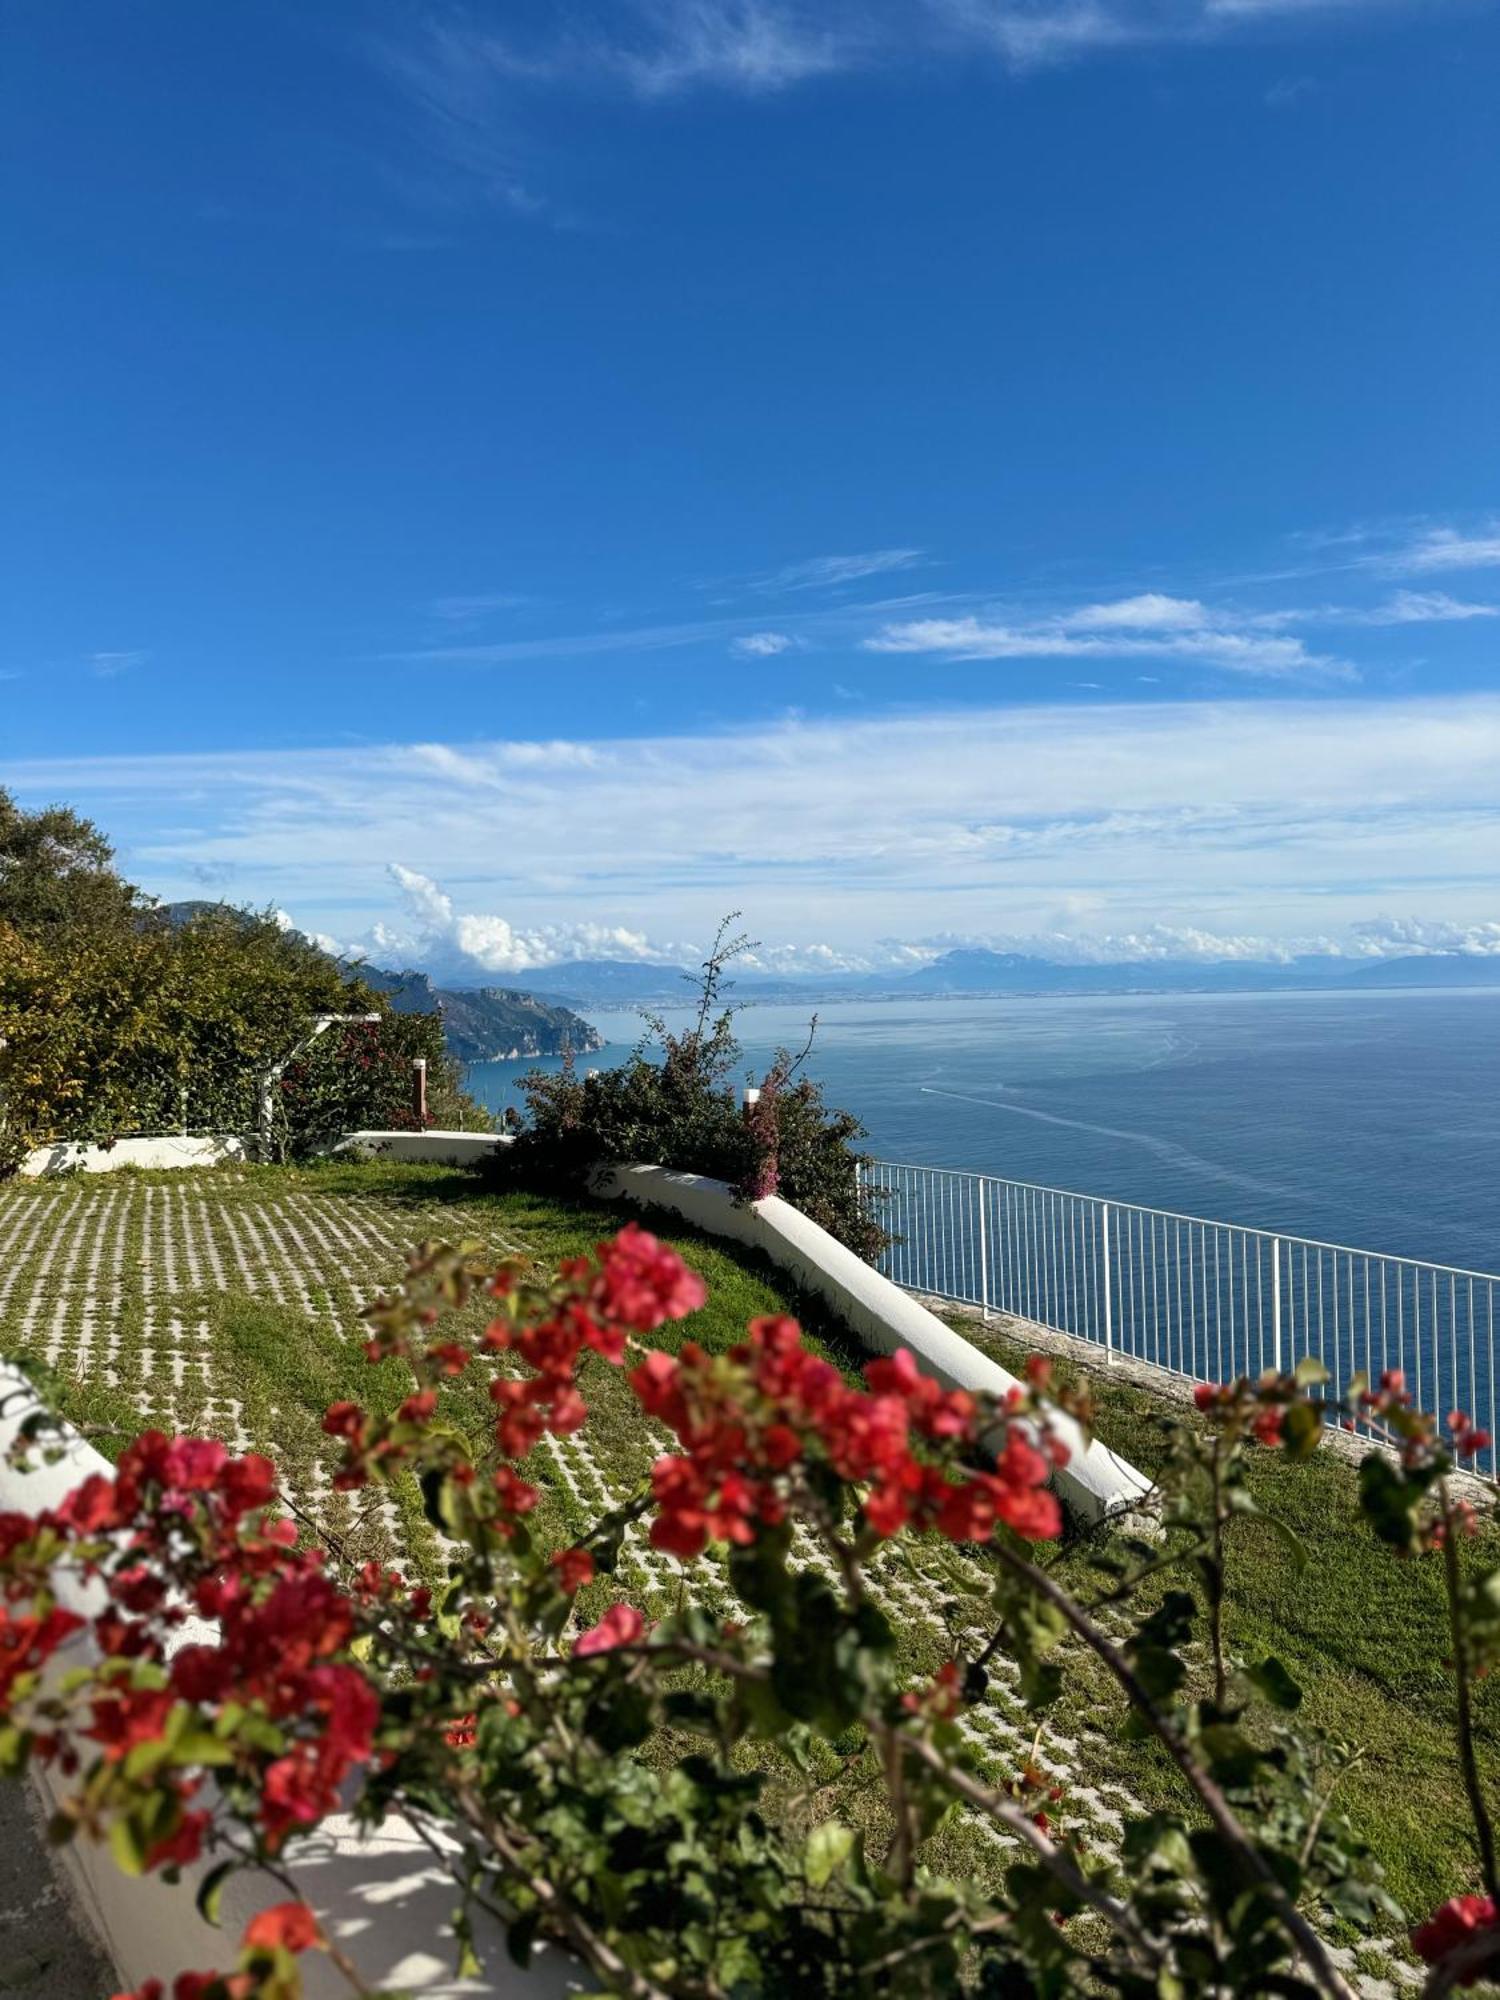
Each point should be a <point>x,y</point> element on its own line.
<point>1148,626</point>
<point>469,610</point>
<point>107,666</point>
<point>1427,607</point>
<point>1448,549</point>
<point>1275,815</point>
<point>832,572</point>
<point>657,48</point>
<point>746,45</point>
<point>762,645</point>
<point>577,645</point>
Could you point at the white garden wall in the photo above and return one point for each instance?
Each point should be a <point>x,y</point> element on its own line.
<point>441,1149</point>
<point>380,1895</point>
<point>170,1150</point>
<point>1095,1484</point>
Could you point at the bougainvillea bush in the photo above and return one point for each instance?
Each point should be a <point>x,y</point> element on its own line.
<point>673,1102</point>
<point>647,1796</point>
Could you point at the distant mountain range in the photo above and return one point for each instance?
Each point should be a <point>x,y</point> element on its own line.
<point>602,983</point>
<point>1013,972</point>
<point>488,1022</point>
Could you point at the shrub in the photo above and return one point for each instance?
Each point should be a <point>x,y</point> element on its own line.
<point>147,1027</point>
<point>610,1785</point>
<point>673,1104</point>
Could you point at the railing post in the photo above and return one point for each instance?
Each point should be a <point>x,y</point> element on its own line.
<point>1276,1303</point>
<point>1109,1324</point>
<point>984,1255</point>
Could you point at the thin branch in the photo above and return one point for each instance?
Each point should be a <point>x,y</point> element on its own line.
<point>1469,1763</point>
<point>1313,1950</point>
<point>1000,1807</point>
<point>577,1931</point>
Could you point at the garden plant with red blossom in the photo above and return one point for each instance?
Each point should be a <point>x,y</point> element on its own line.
<point>227,1684</point>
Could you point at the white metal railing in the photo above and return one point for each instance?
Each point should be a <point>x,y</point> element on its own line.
<point>1208,1300</point>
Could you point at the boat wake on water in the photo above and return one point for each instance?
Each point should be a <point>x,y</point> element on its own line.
<point>1165,1150</point>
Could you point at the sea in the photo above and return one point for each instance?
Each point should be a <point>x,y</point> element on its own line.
<point>1371,1120</point>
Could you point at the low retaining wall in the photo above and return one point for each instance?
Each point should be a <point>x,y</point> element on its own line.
<point>380,1895</point>
<point>1095,1484</point>
<point>171,1150</point>
<point>441,1149</point>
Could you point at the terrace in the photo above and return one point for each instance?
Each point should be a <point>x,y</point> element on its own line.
<point>228,1302</point>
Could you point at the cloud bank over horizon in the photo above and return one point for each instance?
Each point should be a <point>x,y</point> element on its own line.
<point>1264,827</point>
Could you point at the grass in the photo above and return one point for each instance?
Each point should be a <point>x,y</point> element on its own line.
<point>228,1301</point>
<point>1361,1630</point>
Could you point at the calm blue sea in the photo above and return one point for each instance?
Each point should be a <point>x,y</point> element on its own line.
<point>1372,1120</point>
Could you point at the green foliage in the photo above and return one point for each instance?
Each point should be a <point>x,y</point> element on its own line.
<point>674,1104</point>
<point>673,1804</point>
<point>57,873</point>
<point>113,1028</point>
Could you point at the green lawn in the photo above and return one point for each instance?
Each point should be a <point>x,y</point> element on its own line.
<point>229,1302</point>
<point>1361,1630</point>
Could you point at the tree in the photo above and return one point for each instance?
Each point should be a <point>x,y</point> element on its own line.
<point>57,872</point>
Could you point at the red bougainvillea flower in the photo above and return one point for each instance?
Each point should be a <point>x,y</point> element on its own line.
<point>641,1283</point>
<point>1467,1437</point>
<point>942,1697</point>
<point>287,1926</point>
<point>29,1642</point>
<point>621,1625</point>
<point>575,1568</point>
<point>1453,1925</point>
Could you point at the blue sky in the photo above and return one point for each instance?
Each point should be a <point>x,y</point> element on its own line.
<point>515,481</point>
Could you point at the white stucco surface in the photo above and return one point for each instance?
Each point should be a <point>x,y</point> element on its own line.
<point>1095,1484</point>
<point>381,1895</point>
<point>170,1150</point>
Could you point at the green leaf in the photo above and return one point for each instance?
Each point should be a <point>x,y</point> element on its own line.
<point>1301,1429</point>
<point>1309,1372</point>
<point>1275,1683</point>
<point>127,1844</point>
<point>1289,1540</point>
<point>829,1846</point>
<point>521,1936</point>
<point>211,1891</point>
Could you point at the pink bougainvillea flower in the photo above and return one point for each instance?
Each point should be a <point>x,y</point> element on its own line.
<point>621,1625</point>
<point>287,1926</point>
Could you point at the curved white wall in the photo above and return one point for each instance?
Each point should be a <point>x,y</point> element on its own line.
<point>1095,1484</point>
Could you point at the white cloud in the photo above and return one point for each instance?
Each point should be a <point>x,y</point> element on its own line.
<point>747,45</point>
<point>1150,611</point>
<point>471,942</point>
<point>1147,626</point>
<point>829,572</point>
<point>1419,607</point>
<point>108,666</point>
<point>1400,937</point>
<point>762,645</point>
<point>660,48</point>
<point>1276,816</point>
<point>1448,549</point>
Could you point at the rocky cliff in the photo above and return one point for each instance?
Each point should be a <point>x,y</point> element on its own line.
<point>488,1023</point>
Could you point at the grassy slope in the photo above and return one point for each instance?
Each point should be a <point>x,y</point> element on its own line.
<point>1357,1628</point>
<point>1362,1632</point>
